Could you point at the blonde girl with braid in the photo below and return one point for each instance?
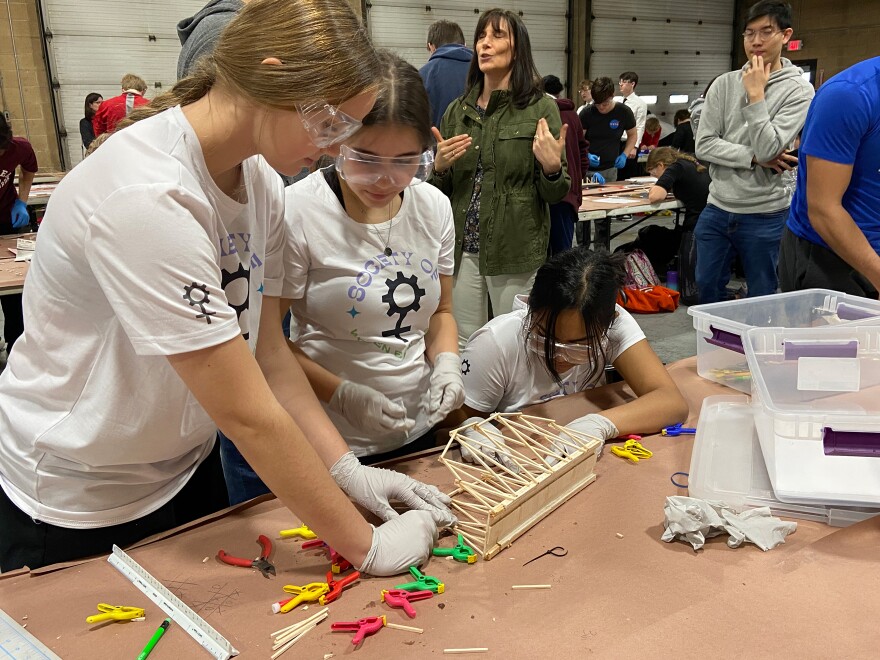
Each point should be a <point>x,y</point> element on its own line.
<point>152,314</point>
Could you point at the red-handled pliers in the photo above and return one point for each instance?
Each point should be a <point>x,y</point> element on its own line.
<point>261,563</point>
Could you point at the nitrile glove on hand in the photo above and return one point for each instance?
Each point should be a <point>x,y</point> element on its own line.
<point>620,162</point>
<point>696,520</point>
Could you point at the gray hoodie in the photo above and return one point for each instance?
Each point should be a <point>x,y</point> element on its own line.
<point>199,33</point>
<point>731,132</point>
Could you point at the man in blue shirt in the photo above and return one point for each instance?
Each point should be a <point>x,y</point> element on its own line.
<point>446,72</point>
<point>832,238</point>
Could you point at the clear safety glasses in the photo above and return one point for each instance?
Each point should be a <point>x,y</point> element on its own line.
<point>326,124</point>
<point>571,353</point>
<point>366,169</point>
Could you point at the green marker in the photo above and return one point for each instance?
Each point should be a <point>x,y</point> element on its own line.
<point>154,639</point>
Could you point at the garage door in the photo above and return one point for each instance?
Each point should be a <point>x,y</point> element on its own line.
<point>93,44</point>
<point>402,26</point>
<point>675,47</point>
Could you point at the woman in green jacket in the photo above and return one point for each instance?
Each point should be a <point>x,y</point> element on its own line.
<point>502,169</point>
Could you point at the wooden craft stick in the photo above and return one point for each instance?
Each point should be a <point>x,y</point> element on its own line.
<point>290,643</point>
<point>297,625</point>
<point>281,639</point>
<point>473,650</point>
<point>283,642</point>
<point>397,626</point>
<point>476,546</point>
<point>532,586</point>
<point>467,513</point>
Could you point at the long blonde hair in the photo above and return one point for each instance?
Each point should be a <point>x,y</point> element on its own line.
<point>324,49</point>
<point>667,156</point>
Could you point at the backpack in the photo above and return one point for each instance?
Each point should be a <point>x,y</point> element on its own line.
<point>639,271</point>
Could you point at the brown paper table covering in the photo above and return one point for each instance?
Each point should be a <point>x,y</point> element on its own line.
<point>814,597</point>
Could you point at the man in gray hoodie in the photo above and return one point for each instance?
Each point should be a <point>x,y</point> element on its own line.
<point>750,119</point>
<point>199,33</point>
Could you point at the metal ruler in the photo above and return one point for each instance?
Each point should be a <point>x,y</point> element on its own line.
<point>18,643</point>
<point>183,615</point>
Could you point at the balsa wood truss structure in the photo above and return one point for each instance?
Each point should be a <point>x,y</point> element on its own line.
<point>495,502</point>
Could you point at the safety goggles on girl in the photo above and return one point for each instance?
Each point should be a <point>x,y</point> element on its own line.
<point>326,124</point>
<point>571,353</point>
<point>366,169</point>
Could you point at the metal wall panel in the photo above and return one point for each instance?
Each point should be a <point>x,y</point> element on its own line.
<point>402,26</point>
<point>94,43</point>
<point>675,47</point>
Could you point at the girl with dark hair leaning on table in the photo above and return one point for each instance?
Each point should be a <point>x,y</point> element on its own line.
<point>559,341</point>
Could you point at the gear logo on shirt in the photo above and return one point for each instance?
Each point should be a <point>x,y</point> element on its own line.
<point>614,124</point>
<point>465,367</point>
<point>399,305</point>
<point>197,296</point>
<point>238,296</point>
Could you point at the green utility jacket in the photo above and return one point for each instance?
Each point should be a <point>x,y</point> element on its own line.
<point>514,211</point>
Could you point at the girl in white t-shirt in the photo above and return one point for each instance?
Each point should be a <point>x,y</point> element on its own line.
<point>559,342</point>
<point>152,313</point>
<point>369,274</point>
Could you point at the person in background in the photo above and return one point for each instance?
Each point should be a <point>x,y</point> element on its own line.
<point>605,122</point>
<point>651,136</point>
<point>198,33</point>
<point>564,214</point>
<point>628,82</point>
<point>680,174</point>
<point>750,119</point>
<point>832,237</point>
<point>446,71</point>
<point>683,176</point>
<point>15,153</point>
<point>86,130</point>
<point>683,138</point>
<point>162,256</point>
<point>560,340</point>
<point>501,165</point>
<point>113,110</point>
<point>585,94</point>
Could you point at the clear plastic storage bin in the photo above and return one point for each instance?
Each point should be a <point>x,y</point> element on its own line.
<point>721,326</point>
<point>816,400</point>
<point>727,465</point>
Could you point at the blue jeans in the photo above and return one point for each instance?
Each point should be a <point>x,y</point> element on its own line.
<point>754,237</point>
<point>242,483</point>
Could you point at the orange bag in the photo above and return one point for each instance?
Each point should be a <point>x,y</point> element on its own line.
<point>648,299</point>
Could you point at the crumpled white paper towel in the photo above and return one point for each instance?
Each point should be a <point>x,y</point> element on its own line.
<point>696,520</point>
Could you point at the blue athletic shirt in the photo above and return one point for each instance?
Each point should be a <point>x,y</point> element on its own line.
<point>843,126</point>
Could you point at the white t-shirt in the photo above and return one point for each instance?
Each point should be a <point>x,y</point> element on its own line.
<point>360,314</point>
<point>501,374</point>
<point>140,256</point>
<point>640,111</point>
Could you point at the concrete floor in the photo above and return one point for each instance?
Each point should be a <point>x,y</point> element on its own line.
<point>672,336</point>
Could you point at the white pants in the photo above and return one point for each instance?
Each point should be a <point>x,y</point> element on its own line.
<point>471,293</point>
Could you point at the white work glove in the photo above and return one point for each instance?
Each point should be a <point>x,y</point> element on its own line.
<point>369,410</point>
<point>595,426</point>
<point>401,542</point>
<point>485,446</point>
<point>447,388</point>
<point>373,488</point>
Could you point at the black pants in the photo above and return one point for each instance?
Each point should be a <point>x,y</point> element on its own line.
<point>25,542</point>
<point>13,322</point>
<point>806,265</point>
